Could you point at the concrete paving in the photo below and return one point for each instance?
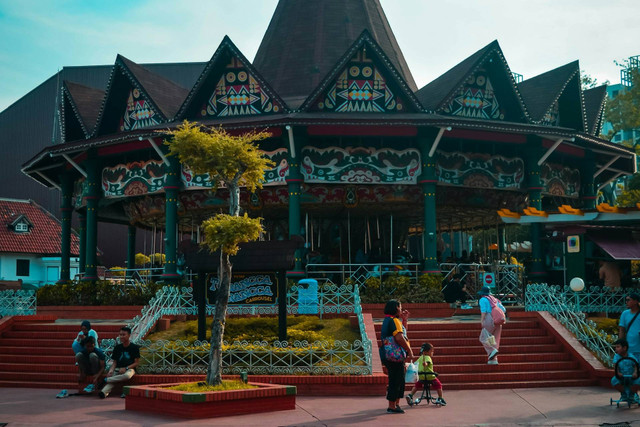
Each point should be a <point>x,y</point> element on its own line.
<point>587,406</point>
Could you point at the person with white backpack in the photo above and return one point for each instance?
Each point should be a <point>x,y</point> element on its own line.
<point>492,317</point>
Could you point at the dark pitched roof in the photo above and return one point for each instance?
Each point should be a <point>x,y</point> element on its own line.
<point>542,91</point>
<point>214,66</point>
<point>306,38</point>
<point>365,40</point>
<point>85,103</point>
<point>437,94</point>
<point>44,235</point>
<point>167,95</point>
<point>594,101</point>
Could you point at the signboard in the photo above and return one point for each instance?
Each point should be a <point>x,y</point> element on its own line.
<point>489,279</point>
<point>255,288</point>
<point>573,244</point>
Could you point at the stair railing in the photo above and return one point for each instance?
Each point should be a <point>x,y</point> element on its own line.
<point>562,305</point>
<point>18,302</point>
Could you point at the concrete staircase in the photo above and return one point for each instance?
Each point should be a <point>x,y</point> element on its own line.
<point>37,353</point>
<point>530,356</point>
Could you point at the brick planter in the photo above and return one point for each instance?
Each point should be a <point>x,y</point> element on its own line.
<point>157,399</point>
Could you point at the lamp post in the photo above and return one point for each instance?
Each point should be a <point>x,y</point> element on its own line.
<point>577,285</point>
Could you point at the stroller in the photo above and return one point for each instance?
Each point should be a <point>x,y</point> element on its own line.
<point>426,390</point>
<point>627,370</point>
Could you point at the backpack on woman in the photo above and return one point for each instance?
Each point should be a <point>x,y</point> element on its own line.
<point>497,314</point>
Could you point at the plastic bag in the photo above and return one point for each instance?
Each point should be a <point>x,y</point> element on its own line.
<point>486,338</point>
<point>411,376</point>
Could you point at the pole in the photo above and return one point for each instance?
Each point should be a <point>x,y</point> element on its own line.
<point>282,305</point>
<point>201,299</point>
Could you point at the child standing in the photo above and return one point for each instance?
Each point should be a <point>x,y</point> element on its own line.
<point>621,347</point>
<point>425,366</point>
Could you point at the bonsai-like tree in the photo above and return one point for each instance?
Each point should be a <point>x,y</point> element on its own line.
<point>234,162</point>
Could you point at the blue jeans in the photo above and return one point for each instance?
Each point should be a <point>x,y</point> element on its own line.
<point>77,347</point>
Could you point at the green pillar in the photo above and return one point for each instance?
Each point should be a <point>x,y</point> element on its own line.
<point>82,216</point>
<point>428,180</point>
<point>294,185</point>
<point>534,187</point>
<point>588,187</point>
<point>93,197</point>
<point>66,211</point>
<point>171,188</point>
<point>131,250</point>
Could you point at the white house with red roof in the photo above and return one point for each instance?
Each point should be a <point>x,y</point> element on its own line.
<point>30,244</point>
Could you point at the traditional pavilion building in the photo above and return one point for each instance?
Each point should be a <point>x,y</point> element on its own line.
<point>363,156</point>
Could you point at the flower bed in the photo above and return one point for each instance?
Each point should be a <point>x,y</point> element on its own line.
<point>157,399</point>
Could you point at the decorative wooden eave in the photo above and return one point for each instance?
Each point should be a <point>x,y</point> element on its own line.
<point>365,40</point>
<point>456,77</point>
<point>85,103</point>
<point>226,46</point>
<point>531,211</point>
<point>595,100</point>
<point>506,213</point>
<point>568,210</point>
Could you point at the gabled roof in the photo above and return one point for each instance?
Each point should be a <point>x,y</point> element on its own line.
<point>436,95</point>
<point>163,96</point>
<point>215,68</point>
<point>306,38</point>
<point>84,106</point>
<point>543,91</point>
<point>373,49</point>
<point>594,101</point>
<point>44,236</point>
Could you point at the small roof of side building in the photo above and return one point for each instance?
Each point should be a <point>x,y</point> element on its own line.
<point>595,100</point>
<point>84,102</point>
<point>43,237</point>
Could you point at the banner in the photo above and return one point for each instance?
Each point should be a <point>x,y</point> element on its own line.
<point>246,288</point>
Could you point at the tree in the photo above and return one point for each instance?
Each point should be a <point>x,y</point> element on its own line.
<point>623,111</point>
<point>589,82</point>
<point>631,195</point>
<point>235,162</point>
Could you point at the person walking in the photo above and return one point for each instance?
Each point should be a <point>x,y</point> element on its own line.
<point>629,326</point>
<point>394,329</point>
<point>491,321</point>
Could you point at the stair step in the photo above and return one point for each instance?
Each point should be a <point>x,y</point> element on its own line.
<point>61,377</point>
<point>70,368</point>
<point>475,377</point>
<point>476,349</point>
<point>517,384</point>
<point>33,335</point>
<point>439,360</point>
<point>441,343</point>
<point>30,343</point>
<point>71,387</point>
<point>505,367</point>
<point>65,327</point>
<point>471,333</point>
<point>39,359</point>
<point>418,325</point>
<point>57,351</point>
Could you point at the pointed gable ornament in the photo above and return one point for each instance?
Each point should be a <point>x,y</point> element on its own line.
<point>230,86</point>
<point>363,81</point>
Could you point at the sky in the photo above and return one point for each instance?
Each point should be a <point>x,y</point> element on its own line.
<point>39,37</point>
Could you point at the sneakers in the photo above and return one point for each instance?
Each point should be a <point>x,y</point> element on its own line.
<point>409,398</point>
<point>440,401</point>
<point>90,388</point>
<point>492,362</point>
<point>64,393</point>
<point>396,410</point>
<point>123,395</point>
<point>493,354</point>
<point>103,395</point>
<point>465,307</point>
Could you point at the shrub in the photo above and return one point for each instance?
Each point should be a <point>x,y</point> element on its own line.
<point>102,292</point>
<point>428,289</point>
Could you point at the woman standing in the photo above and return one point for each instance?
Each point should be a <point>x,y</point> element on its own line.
<point>395,325</point>
<point>487,304</point>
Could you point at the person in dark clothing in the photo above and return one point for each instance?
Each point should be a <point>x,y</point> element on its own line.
<point>394,325</point>
<point>125,358</point>
<point>454,290</point>
<point>90,363</point>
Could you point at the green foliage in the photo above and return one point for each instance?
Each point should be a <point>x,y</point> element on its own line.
<point>226,232</point>
<point>199,387</point>
<point>142,260</point>
<point>157,259</point>
<point>623,112</point>
<point>610,326</point>
<point>428,289</point>
<point>117,271</point>
<point>628,198</point>
<point>101,292</point>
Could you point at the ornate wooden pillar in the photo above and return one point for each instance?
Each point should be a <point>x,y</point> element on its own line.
<point>92,198</point>
<point>171,188</point>
<point>294,185</point>
<point>428,180</point>
<point>588,187</point>
<point>66,212</point>
<point>534,152</point>
<point>82,216</point>
<point>131,250</point>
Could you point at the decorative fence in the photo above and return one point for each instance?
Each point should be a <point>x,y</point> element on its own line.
<point>509,278</point>
<point>17,303</point>
<point>299,357</point>
<point>359,273</point>
<point>564,306</point>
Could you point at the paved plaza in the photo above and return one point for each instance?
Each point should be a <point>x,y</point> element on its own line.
<point>588,406</point>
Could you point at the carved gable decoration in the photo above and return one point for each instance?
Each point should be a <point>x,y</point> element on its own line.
<point>238,93</point>
<point>551,117</point>
<point>476,99</point>
<point>138,113</point>
<point>361,165</point>
<point>133,179</point>
<point>559,180</point>
<point>480,170</point>
<point>360,87</point>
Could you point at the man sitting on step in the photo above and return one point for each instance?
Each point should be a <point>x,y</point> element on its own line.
<point>125,359</point>
<point>90,361</point>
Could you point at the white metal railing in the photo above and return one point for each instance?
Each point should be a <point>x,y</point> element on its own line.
<point>543,297</point>
<point>18,303</point>
<point>359,273</point>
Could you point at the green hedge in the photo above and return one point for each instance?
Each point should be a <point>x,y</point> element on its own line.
<point>101,292</point>
<point>428,289</point>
